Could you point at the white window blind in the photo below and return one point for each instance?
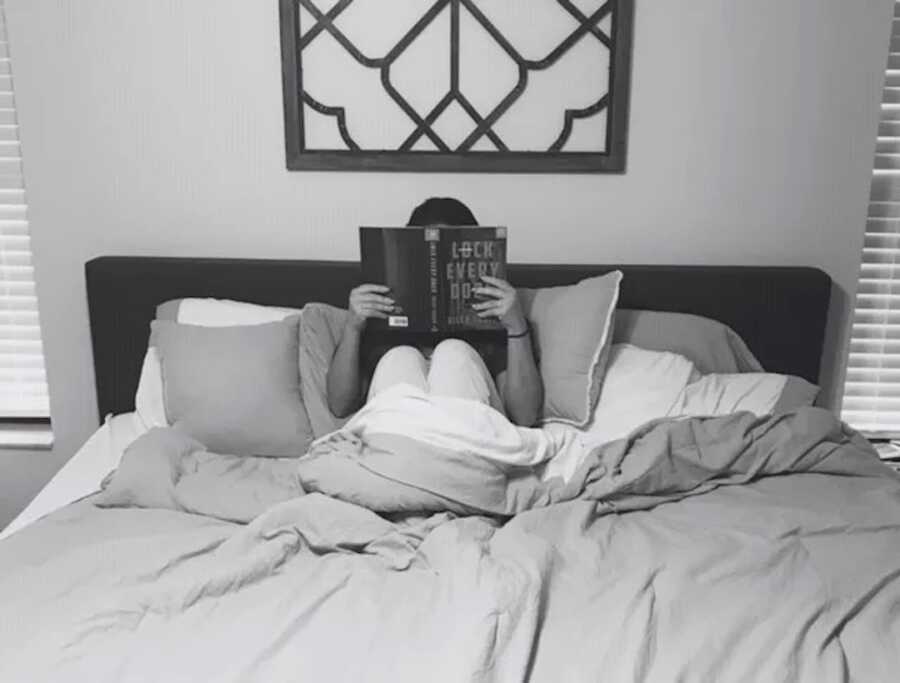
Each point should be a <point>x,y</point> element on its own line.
<point>872,389</point>
<point>23,383</point>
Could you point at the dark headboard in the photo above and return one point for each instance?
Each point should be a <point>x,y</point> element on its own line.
<point>779,311</point>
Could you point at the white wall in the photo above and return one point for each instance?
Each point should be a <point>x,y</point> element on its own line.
<point>155,128</point>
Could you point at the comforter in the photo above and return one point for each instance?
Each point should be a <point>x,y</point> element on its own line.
<point>720,549</point>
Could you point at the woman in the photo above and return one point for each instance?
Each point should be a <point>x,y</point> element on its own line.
<point>495,368</point>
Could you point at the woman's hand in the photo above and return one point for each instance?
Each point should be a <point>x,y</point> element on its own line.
<point>369,301</point>
<point>503,304</point>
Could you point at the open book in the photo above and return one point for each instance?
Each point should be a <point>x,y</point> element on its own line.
<point>432,273</point>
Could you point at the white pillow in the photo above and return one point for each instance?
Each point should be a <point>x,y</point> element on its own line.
<point>228,313</point>
<point>643,385</point>
<point>639,386</point>
<point>757,392</point>
<point>149,402</point>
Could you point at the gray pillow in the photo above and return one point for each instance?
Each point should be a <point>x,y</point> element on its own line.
<point>712,346</point>
<point>168,310</point>
<point>235,389</point>
<point>321,327</point>
<point>572,326</point>
<point>797,393</point>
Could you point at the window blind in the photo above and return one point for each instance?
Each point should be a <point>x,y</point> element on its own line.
<point>23,383</point>
<point>872,389</point>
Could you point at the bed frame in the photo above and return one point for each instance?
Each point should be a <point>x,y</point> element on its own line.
<point>779,311</point>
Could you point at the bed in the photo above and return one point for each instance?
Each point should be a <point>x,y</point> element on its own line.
<point>734,547</point>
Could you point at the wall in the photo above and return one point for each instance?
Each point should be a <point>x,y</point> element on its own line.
<point>155,128</point>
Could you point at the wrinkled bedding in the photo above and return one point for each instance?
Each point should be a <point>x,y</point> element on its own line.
<point>724,549</point>
<point>414,452</point>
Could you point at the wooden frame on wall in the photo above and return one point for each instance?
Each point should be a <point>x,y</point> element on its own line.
<point>307,65</point>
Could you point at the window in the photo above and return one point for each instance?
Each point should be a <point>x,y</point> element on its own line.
<point>23,383</point>
<point>872,388</point>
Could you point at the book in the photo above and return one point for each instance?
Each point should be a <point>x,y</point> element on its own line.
<point>432,273</point>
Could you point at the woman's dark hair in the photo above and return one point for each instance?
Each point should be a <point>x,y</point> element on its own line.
<point>441,211</point>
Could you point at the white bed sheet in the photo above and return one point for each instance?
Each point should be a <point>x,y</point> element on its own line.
<point>83,473</point>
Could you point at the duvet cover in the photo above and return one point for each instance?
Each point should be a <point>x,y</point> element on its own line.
<point>731,548</point>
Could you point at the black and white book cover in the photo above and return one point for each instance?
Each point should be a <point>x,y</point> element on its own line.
<point>432,273</point>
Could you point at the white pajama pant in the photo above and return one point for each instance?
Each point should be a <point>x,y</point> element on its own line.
<point>454,369</point>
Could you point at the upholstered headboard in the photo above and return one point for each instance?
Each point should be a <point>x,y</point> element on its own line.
<point>779,311</point>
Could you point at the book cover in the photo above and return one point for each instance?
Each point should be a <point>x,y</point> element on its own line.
<point>432,273</point>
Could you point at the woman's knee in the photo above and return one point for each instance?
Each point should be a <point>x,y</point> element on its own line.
<point>403,355</point>
<point>458,371</point>
<point>402,361</point>
<point>399,365</point>
<point>453,349</point>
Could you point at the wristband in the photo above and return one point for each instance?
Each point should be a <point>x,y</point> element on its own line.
<point>521,334</point>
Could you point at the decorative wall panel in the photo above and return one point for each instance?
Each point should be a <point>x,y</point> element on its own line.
<point>456,85</point>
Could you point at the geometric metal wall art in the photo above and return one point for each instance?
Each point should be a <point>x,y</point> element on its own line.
<point>456,85</point>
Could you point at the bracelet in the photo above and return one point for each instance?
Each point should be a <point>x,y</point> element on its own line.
<point>521,334</point>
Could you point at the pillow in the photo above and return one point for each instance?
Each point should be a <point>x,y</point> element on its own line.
<point>149,401</point>
<point>221,312</point>
<point>572,332</point>
<point>643,385</point>
<point>321,327</point>
<point>639,386</point>
<point>235,389</point>
<point>757,392</point>
<point>797,393</point>
<point>710,345</point>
